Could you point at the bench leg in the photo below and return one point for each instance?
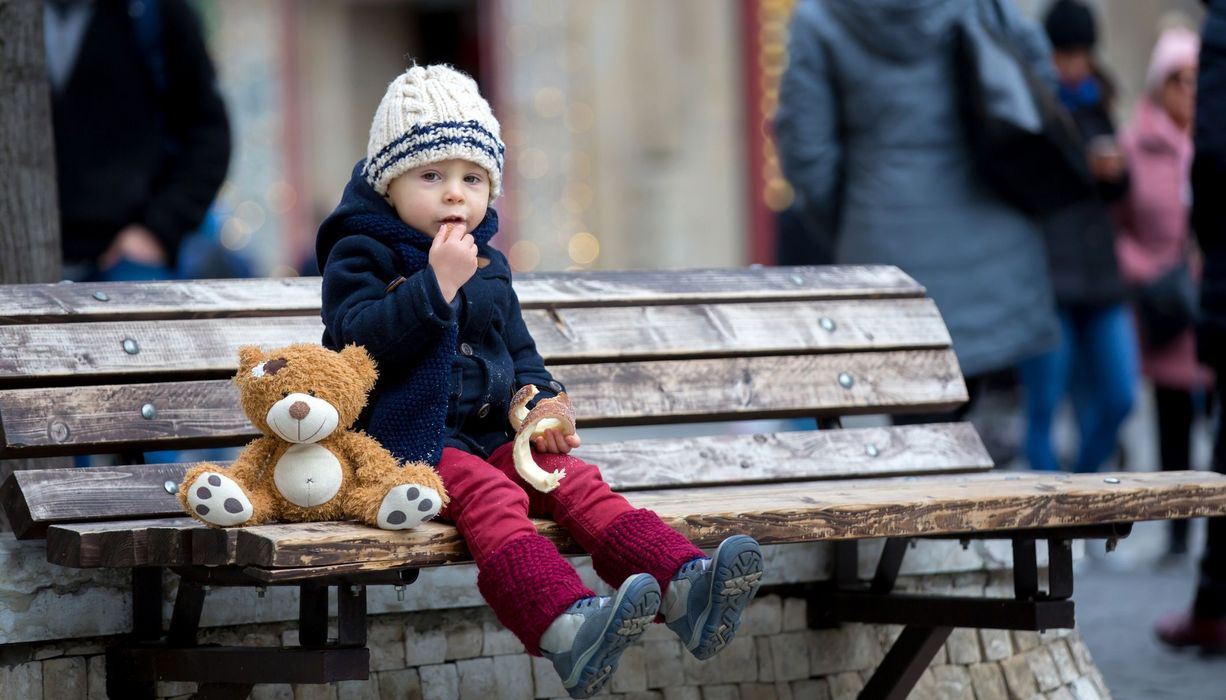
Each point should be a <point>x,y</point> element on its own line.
<point>905,663</point>
<point>146,628</point>
<point>185,621</point>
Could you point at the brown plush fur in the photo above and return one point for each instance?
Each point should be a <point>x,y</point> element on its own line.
<point>342,379</point>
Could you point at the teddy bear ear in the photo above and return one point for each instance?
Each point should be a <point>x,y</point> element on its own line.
<point>249,356</point>
<point>362,363</point>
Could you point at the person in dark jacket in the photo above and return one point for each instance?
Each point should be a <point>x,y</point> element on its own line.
<point>1096,359</point>
<point>142,141</point>
<point>1204,625</point>
<point>408,272</point>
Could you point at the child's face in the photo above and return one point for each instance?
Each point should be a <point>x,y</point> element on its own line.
<point>449,191</point>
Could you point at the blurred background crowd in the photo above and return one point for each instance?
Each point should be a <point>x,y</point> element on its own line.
<point>204,138</point>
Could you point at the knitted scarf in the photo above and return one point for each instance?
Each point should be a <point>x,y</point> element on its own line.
<point>408,413</point>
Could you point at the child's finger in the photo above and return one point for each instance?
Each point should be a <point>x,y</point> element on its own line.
<point>573,440</point>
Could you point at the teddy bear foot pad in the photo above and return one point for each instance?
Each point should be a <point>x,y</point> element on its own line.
<point>218,500</point>
<point>408,506</point>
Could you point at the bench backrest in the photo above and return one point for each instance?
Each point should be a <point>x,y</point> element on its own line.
<point>113,368</point>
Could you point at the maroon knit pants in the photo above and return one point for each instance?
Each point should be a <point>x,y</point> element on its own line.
<point>520,574</point>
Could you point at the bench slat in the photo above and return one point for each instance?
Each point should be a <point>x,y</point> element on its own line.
<point>83,420</point>
<point>773,513</point>
<point>48,303</point>
<point>89,353</point>
<point>777,513</point>
<point>35,499</point>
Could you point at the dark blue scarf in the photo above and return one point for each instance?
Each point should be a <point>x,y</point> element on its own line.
<point>410,416</point>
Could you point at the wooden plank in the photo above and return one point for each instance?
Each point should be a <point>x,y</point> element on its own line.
<point>66,302</point>
<point>211,546</point>
<point>571,335</point>
<point>619,288</point>
<point>83,420</point>
<point>790,512</point>
<point>57,496</point>
<point>111,544</point>
<point>789,456</point>
<point>49,355</point>
<point>91,353</point>
<point>48,303</point>
<point>38,497</point>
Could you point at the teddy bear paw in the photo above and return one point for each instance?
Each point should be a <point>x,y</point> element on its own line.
<point>218,500</point>
<point>408,506</point>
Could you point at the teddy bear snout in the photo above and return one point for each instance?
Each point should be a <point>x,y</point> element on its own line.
<point>299,410</point>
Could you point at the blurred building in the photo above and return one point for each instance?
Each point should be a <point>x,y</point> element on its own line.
<point>635,128</point>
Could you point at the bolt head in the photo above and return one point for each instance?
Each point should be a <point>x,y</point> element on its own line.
<point>170,486</point>
<point>148,411</point>
<point>871,450</point>
<point>827,324</point>
<point>102,296</point>
<point>1111,480</point>
<point>845,380</point>
<point>130,346</point>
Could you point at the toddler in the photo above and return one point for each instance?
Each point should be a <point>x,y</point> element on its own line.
<point>409,273</point>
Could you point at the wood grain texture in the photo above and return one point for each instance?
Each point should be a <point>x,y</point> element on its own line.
<point>86,353</point>
<point>43,303</point>
<point>56,496</point>
<point>134,301</point>
<point>774,513</point>
<point>83,420</point>
<point>112,544</point>
<point>779,513</point>
<point>179,350</point>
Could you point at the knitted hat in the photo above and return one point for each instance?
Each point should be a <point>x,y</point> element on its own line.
<point>1070,25</point>
<point>1177,48</point>
<point>429,114</point>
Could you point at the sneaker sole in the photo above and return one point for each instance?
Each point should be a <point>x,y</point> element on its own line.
<point>634,608</point>
<point>738,575</point>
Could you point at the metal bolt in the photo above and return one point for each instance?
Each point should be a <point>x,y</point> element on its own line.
<point>1111,543</point>
<point>845,380</point>
<point>1111,480</point>
<point>59,431</point>
<point>871,450</point>
<point>148,411</point>
<point>400,593</point>
<point>827,324</point>
<point>131,346</point>
<point>797,279</point>
<point>101,296</point>
<point>355,591</point>
<point>259,592</point>
<point>170,486</point>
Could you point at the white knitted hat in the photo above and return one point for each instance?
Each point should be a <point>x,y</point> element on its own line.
<point>429,114</point>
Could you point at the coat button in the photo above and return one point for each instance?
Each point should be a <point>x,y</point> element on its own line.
<point>555,386</point>
<point>466,349</point>
<point>483,411</point>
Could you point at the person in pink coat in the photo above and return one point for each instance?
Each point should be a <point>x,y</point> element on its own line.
<point>1154,235</point>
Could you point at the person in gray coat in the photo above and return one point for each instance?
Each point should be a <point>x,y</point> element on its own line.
<point>870,137</point>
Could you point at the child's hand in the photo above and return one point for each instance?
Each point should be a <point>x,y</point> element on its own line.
<point>555,441</point>
<point>453,255</point>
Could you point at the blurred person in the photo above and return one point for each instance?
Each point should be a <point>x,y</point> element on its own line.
<point>1154,238</point>
<point>870,135</point>
<point>1095,361</point>
<point>1204,624</point>
<point>142,141</point>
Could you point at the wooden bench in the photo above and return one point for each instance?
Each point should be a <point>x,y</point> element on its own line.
<point>129,368</point>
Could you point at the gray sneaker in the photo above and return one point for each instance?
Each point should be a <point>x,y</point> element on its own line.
<point>610,625</point>
<point>707,596</point>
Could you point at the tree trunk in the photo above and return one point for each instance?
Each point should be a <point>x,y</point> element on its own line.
<point>29,216</point>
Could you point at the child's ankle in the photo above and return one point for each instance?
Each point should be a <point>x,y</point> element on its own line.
<point>675,602</point>
<point>559,636</point>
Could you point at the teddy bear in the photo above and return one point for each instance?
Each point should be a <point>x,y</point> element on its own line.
<point>309,465</point>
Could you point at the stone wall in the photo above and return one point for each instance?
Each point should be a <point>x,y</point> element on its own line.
<point>465,653</point>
